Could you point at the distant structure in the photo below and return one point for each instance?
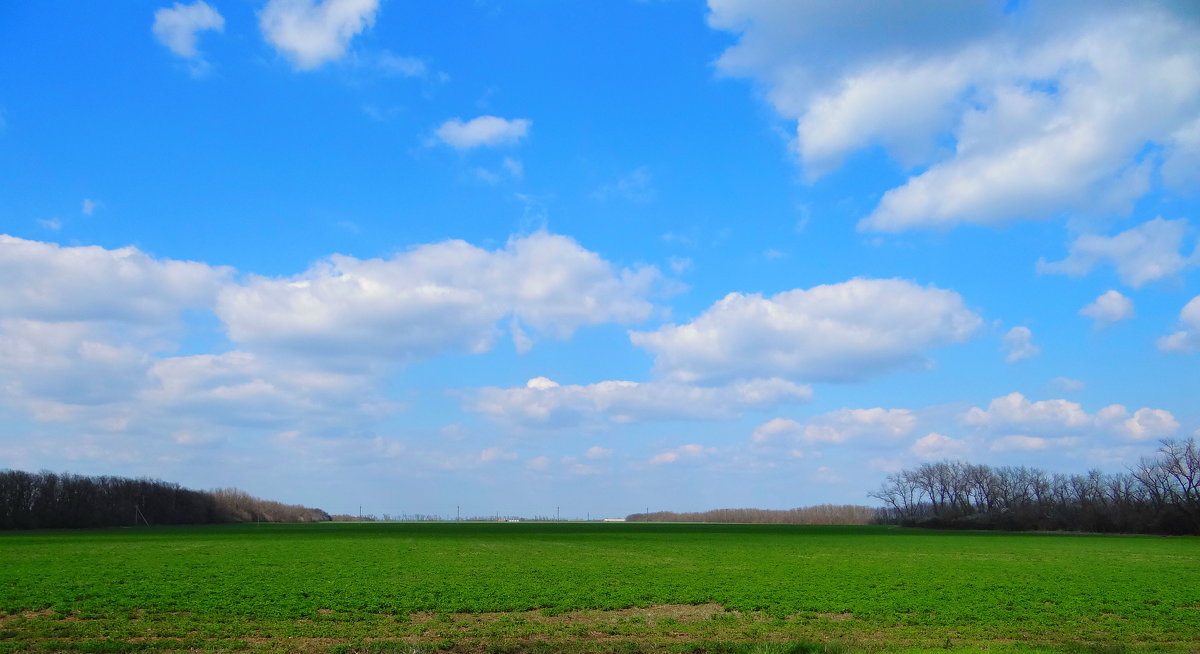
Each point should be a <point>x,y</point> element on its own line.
<point>613,520</point>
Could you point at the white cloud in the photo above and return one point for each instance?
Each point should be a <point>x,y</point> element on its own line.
<point>241,388</point>
<point>845,331</point>
<point>1018,343</point>
<point>1004,115</point>
<point>597,452</point>
<point>679,265</point>
<point>310,33</point>
<point>1150,423</point>
<point>433,298</point>
<point>573,466</point>
<point>1187,339</point>
<point>1109,308</point>
<point>544,403</point>
<point>52,368</point>
<point>88,207</point>
<point>509,167</point>
<point>177,28</point>
<point>105,376</point>
<point>1014,412</point>
<point>690,451</point>
<point>1140,255</point>
<point>839,426</point>
<point>45,281</point>
<point>1181,166</point>
<point>939,446</point>
<point>52,224</point>
<point>403,66</point>
<point>514,167</point>
<point>482,131</point>
<point>775,427</point>
<point>1068,385</point>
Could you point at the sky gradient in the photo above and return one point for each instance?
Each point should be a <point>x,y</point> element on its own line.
<point>603,256</point>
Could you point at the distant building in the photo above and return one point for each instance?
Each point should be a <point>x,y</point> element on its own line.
<point>613,520</point>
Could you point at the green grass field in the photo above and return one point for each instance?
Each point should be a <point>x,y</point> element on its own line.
<point>594,587</point>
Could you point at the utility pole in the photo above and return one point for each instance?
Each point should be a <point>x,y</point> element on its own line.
<point>457,513</point>
<point>557,514</point>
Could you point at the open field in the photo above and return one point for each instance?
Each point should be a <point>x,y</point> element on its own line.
<point>593,587</point>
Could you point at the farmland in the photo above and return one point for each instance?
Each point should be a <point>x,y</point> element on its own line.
<point>593,587</point>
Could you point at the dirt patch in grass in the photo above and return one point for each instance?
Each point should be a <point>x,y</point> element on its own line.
<point>26,615</point>
<point>836,617</point>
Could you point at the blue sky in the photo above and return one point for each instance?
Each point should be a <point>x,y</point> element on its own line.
<point>603,256</point>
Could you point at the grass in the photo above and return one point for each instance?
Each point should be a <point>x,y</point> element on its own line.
<point>594,587</point>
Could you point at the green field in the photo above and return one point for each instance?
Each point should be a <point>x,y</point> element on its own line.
<point>594,587</point>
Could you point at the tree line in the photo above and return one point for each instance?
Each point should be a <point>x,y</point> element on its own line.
<point>824,514</point>
<point>1160,494</point>
<point>47,500</point>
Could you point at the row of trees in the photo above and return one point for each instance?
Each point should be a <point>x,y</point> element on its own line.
<point>824,514</point>
<point>1161,494</point>
<point>46,500</point>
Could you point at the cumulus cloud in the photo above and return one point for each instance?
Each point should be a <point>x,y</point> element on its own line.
<point>49,282</point>
<point>482,131</point>
<point>1015,410</point>
<point>243,389</point>
<point>99,376</point>
<point>1187,339</point>
<point>1150,423</point>
<point>1109,308</point>
<point>835,332</point>
<point>1005,115</point>
<point>310,33</point>
<point>433,298</point>
<point>52,368</point>
<point>839,426</point>
<point>1140,255</point>
<point>939,446</point>
<point>1018,344</point>
<point>177,28</point>
<point>84,333</point>
<point>544,403</point>
<point>1016,413</point>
